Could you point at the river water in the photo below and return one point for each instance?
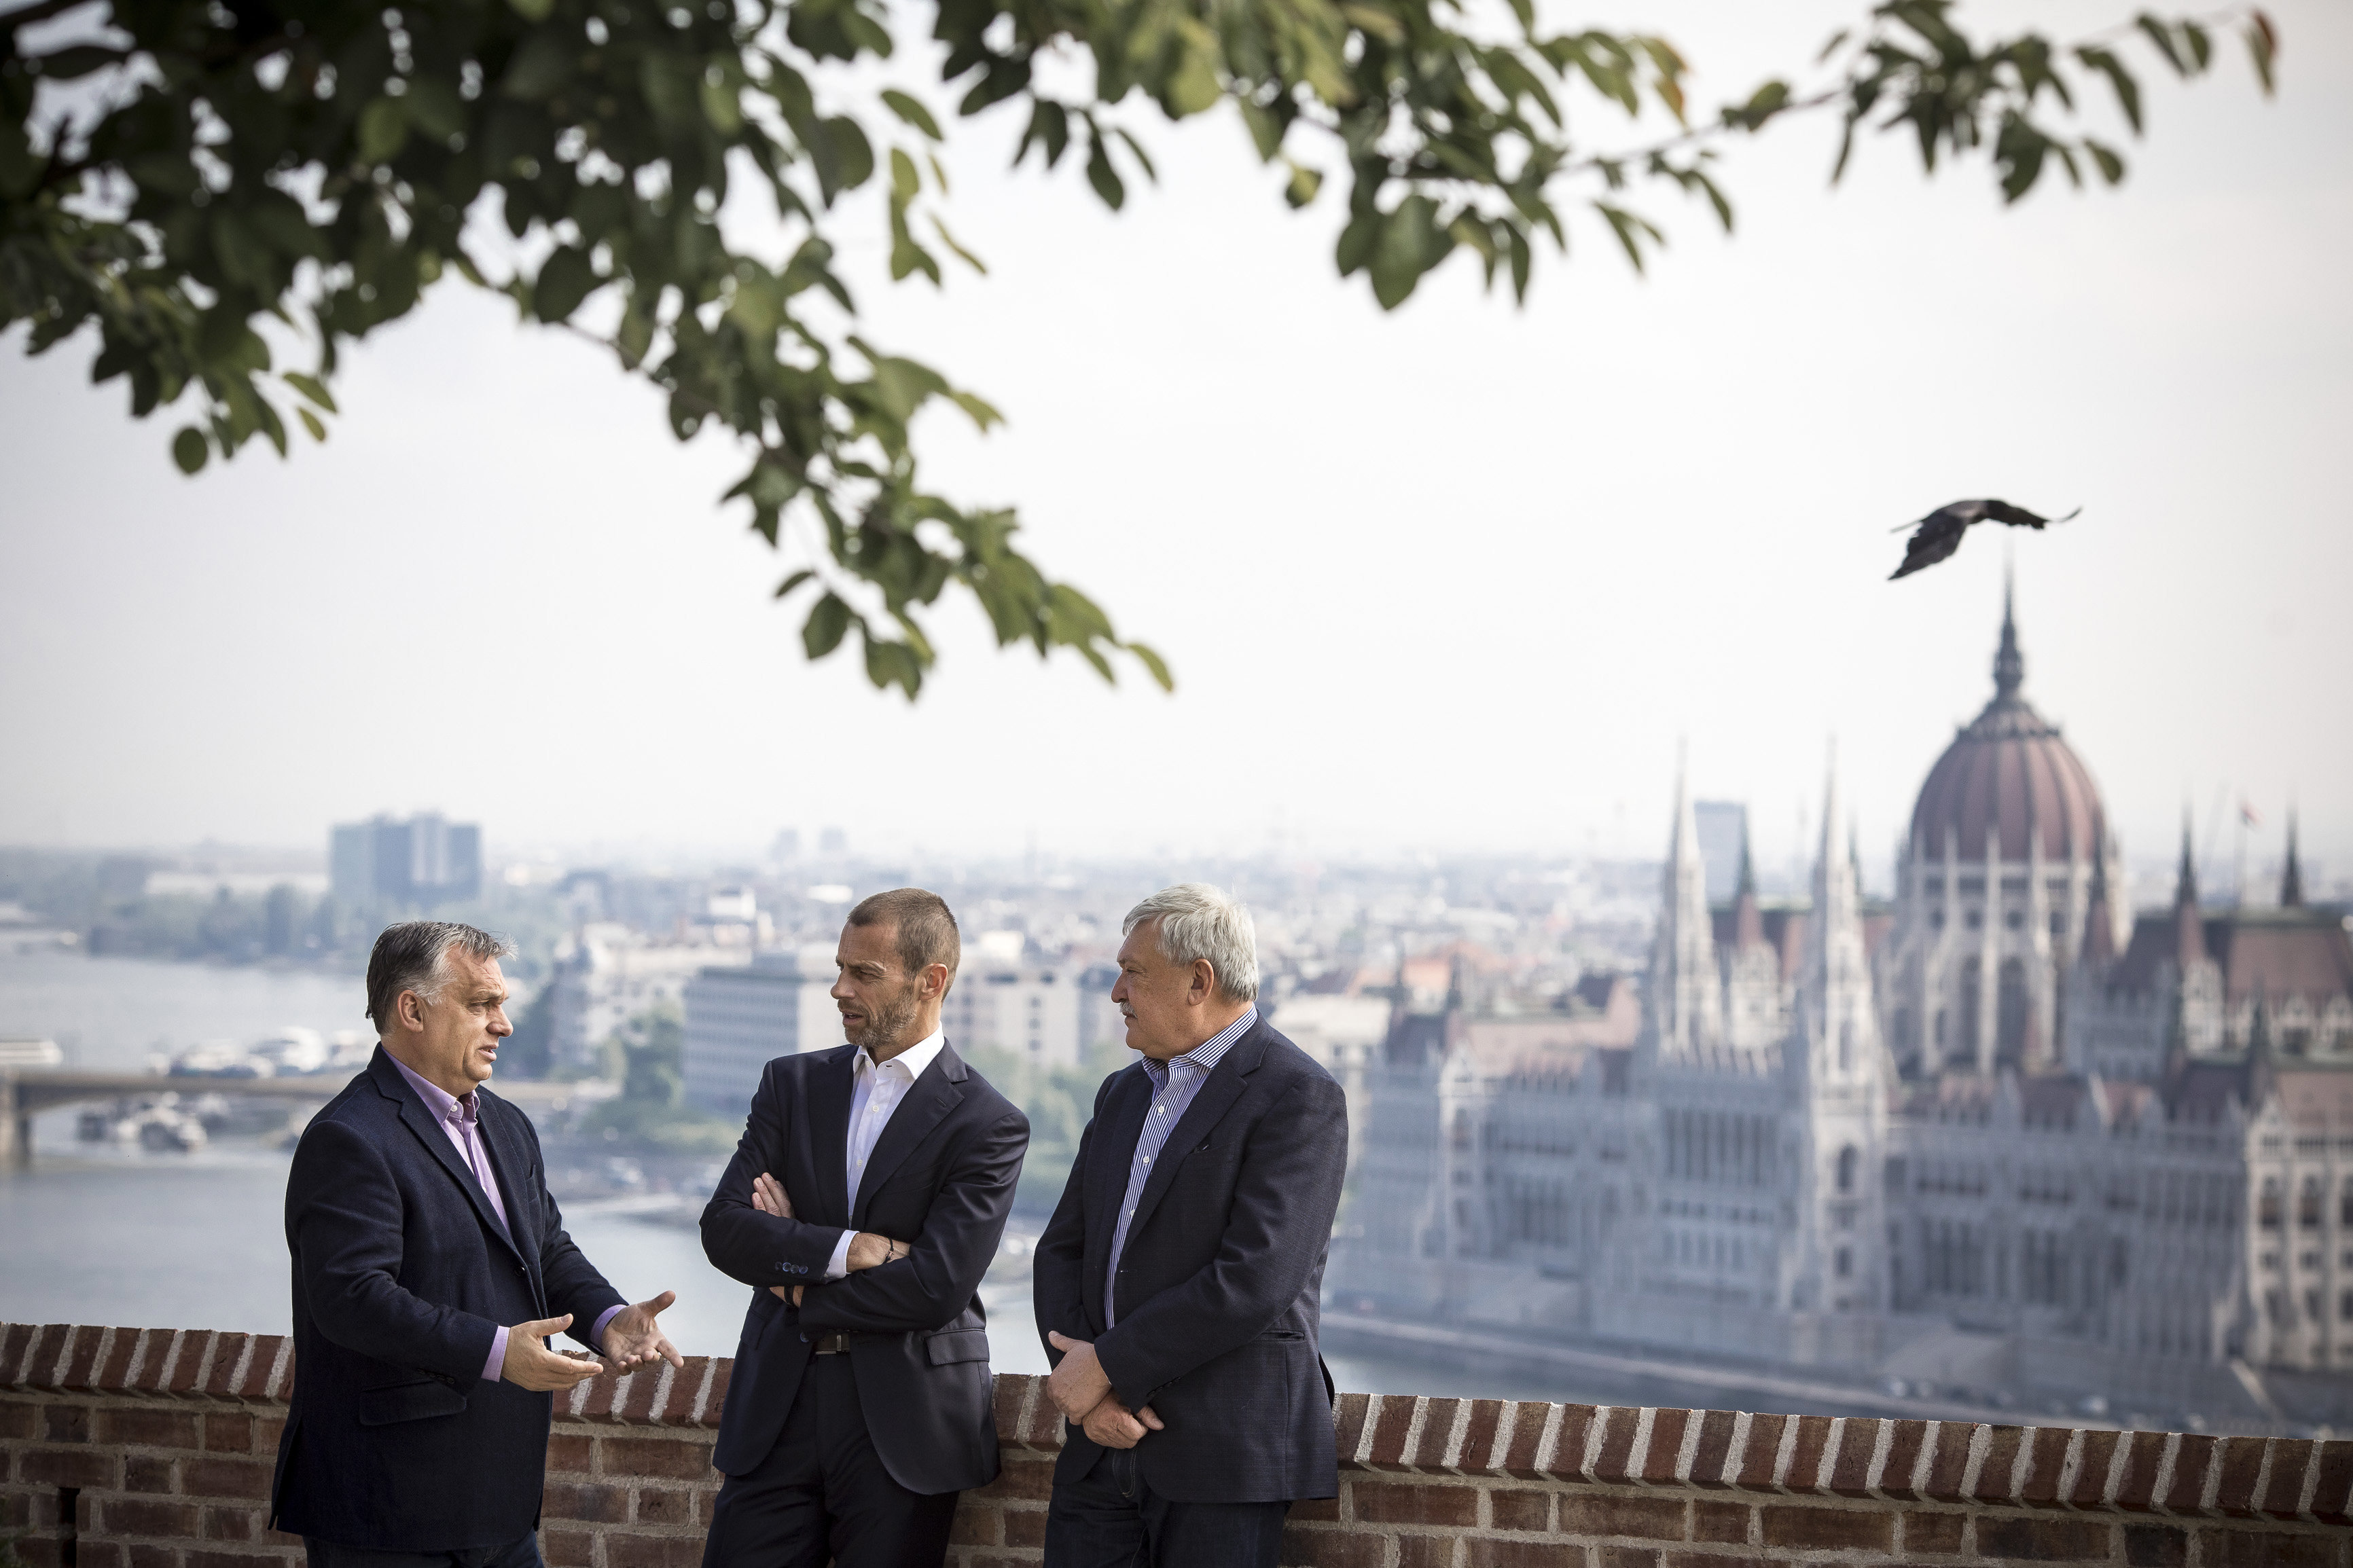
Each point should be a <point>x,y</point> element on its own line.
<point>93,1234</point>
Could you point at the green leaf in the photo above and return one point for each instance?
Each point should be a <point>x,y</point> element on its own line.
<point>795,581</point>
<point>2111,167</point>
<point>189,449</point>
<point>911,112</point>
<point>565,279</point>
<point>311,388</point>
<point>1410,244</point>
<point>828,624</point>
<point>1154,664</point>
<point>310,423</point>
<point>949,240</point>
<point>2120,80</point>
<point>19,170</point>
<point>1300,188</point>
<point>904,181</point>
<point>382,128</point>
<point>532,10</point>
<point>1103,177</point>
<point>2263,47</point>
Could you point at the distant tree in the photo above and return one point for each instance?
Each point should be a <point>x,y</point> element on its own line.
<point>187,175</point>
<point>530,1051</point>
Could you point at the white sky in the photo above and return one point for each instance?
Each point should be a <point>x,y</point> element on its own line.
<point>1455,577</point>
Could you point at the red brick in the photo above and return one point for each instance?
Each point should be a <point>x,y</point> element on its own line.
<point>121,1358</point>
<point>1715,1445</point>
<point>64,1423</point>
<point>2156,1546</point>
<point>99,1554</point>
<point>2266,1549</point>
<point>2332,1497</point>
<point>142,1474</point>
<point>1332,1549</point>
<point>1437,1426</point>
<point>1348,1423</point>
<point>1425,1551</point>
<point>40,1361</point>
<point>2000,1462</point>
<point>2092,1474</point>
<point>1717,1560</point>
<point>1033,1480</point>
<point>1479,1435</point>
<point>267,1431</point>
<point>70,1467</point>
<point>1667,1427</point>
<point>1949,1461</point>
<point>1828,1527</point>
<point>17,1418</point>
<point>83,1356</point>
<point>146,1516</point>
<point>2243,1461</point>
<point>1513,1508</point>
<point>1806,1459</point>
<point>2136,1491</point>
<point>665,1505</point>
<point>1392,1420</point>
<point>715,1403</point>
<point>2189,1462</point>
<point>188,1366</point>
<point>665,1456</point>
<point>1528,1421</point>
<point>1007,1394</point>
<point>1489,1552</point>
<point>1615,1556</point>
<point>1568,1446</point>
<point>567,1548</point>
<point>1755,1473</point>
<point>142,1555</point>
<point>1610,1464</point>
<point>1320,1510</point>
<point>586,1504</point>
<point>976,1525</point>
<point>228,1349</point>
<point>1933,1532</point>
<point>224,1523</point>
<point>155,1427</point>
<point>1851,1473</point>
<point>1025,1527</point>
<point>569,1454</point>
<point>1720,1521</point>
<point>16,1509</point>
<point>2289,1460</point>
<point>16,1339</point>
<point>38,1551</point>
<point>651,1551</point>
<point>2031,1540</point>
<point>225,1478</point>
<point>1644,1519</point>
<point>229,1433</point>
<point>255,1383</point>
<point>2047,1457</point>
<point>241,1557</point>
<point>1381,1502</point>
<point>1904,1441</point>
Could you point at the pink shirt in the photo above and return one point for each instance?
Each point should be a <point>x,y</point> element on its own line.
<point>458,1115</point>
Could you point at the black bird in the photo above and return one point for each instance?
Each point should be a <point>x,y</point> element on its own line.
<point>1938,534</point>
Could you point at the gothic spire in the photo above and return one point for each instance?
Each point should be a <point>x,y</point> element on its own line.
<point>2008,664</point>
<point>2188,925</point>
<point>2291,879</point>
<point>2099,920</point>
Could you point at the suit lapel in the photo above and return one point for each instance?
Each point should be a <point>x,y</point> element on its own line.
<point>419,1121</point>
<point>1131,1100</point>
<point>827,1112</point>
<point>1211,1102</point>
<point>509,1162</point>
<point>929,1098</point>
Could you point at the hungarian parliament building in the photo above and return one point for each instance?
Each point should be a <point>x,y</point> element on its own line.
<point>2012,1137</point>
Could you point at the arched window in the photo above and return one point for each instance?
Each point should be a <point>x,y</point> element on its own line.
<point>2009,1040</point>
<point>2307,1204</point>
<point>2267,1209</point>
<point>1847,1161</point>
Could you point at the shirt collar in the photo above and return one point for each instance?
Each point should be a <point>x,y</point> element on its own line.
<point>917,1056</point>
<point>1209,1052</point>
<point>437,1100</point>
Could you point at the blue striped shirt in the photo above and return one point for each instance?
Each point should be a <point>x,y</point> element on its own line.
<point>1174,1082</point>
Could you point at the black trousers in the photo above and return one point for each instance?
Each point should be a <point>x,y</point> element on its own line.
<point>522,1553</point>
<point>823,1495</point>
<point>1114,1520</point>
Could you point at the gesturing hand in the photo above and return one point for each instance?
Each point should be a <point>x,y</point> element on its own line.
<point>531,1364</point>
<point>632,1339</point>
<point>1110,1424</point>
<point>1079,1383</point>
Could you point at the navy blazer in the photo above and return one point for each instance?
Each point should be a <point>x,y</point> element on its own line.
<point>941,1178</point>
<point>401,1280</point>
<point>1220,1281</point>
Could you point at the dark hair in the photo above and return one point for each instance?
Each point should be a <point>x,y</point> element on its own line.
<point>412,955</point>
<point>927,932</point>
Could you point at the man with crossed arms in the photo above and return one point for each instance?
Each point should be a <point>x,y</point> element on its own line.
<point>1177,1284</point>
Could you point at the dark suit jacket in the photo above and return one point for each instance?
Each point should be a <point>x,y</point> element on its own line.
<point>941,1178</point>
<point>401,1280</point>
<point>1221,1278</point>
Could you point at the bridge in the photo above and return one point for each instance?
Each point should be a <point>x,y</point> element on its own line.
<point>26,1092</point>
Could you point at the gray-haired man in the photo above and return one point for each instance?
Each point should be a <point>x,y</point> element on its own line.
<point>431,1264</point>
<point>1176,1286</point>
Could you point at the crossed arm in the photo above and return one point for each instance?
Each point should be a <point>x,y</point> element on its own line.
<point>867,1251</point>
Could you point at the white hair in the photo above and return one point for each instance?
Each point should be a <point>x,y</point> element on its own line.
<point>1198,922</point>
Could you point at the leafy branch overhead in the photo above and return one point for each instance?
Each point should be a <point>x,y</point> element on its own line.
<point>185,176</point>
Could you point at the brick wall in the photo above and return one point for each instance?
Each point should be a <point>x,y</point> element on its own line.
<point>151,1447</point>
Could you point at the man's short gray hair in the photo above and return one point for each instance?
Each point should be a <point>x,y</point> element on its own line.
<point>1198,922</point>
<point>413,955</point>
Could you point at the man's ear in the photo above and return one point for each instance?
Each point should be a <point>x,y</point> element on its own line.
<point>408,1012</point>
<point>927,990</point>
<point>1204,982</point>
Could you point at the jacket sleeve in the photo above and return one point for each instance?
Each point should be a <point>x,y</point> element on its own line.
<point>574,1284</point>
<point>762,1249</point>
<point>343,1218</point>
<point>1278,1228</point>
<point>1058,1297</point>
<point>962,1227</point>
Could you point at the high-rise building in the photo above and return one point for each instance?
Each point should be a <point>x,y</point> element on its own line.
<point>1723,836</point>
<point>1031,1014</point>
<point>426,860</point>
<point>738,1019</point>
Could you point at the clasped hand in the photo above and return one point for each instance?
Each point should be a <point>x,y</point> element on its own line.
<point>867,1251</point>
<point>1081,1390</point>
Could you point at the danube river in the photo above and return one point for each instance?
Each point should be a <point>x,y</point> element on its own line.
<point>195,1241</point>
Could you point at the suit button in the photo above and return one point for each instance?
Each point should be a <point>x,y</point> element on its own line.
<point>804,1339</point>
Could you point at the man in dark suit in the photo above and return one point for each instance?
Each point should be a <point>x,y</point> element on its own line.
<point>431,1264</point>
<point>864,1204</point>
<point>1177,1284</point>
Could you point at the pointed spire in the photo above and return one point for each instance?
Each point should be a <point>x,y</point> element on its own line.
<point>2008,664</point>
<point>2188,925</point>
<point>1748,919</point>
<point>1685,1000</point>
<point>2291,879</point>
<point>2185,879</point>
<point>2099,947</point>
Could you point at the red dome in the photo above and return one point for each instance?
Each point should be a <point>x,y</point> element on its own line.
<point>2009,773</point>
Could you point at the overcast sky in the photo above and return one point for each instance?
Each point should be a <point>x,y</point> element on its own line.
<point>1457,577</point>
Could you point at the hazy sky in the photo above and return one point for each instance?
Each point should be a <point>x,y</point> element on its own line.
<point>1455,577</point>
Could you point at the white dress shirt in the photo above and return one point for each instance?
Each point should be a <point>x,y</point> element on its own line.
<point>875,1095</point>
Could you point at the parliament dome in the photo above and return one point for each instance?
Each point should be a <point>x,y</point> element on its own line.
<point>2009,773</point>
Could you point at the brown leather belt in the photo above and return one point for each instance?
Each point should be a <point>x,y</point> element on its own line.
<point>830,1344</point>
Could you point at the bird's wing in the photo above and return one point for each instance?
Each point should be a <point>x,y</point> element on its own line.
<point>1938,535</point>
<point>2015,516</point>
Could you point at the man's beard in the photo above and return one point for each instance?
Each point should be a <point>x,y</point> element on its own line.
<point>886,1022</point>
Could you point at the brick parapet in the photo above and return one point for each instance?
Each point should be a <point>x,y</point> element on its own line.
<point>160,1440</point>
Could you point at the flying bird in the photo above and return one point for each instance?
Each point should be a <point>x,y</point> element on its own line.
<point>1938,534</point>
